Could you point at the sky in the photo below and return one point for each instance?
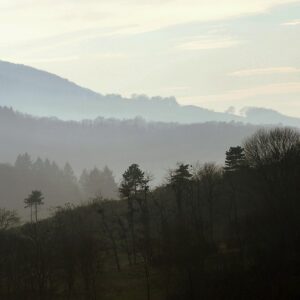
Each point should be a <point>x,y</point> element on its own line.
<point>217,54</point>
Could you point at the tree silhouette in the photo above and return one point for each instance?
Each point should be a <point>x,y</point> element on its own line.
<point>132,180</point>
<point>23,162</point>
<point>98,183</point>
<point>235,158</point>
<point>34,200</point>
<point>8,218</point>
<point>179,181</point>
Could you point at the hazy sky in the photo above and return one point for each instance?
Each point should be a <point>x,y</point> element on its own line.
<point>212,53</point>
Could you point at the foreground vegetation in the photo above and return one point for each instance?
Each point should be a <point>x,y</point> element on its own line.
<point>208,232</point>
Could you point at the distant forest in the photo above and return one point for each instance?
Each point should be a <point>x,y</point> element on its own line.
<point>59,185</point>
<point>206,232</point>
<point>155,146</point>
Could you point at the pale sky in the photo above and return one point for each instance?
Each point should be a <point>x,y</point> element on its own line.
<point>211,53</point>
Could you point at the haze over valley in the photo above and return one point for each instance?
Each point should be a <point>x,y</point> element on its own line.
<point>53,119</point>
<point>149,150</point>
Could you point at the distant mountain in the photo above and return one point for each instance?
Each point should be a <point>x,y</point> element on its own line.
<point>155,146</point>
<point>257,115</point>
<point>43,94</point>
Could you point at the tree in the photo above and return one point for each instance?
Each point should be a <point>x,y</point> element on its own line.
<point>34,200</point>
<point>274,159</point>
<point>270,146</point>
<point>210,175</point>
<point>235,159</point>
<point>234,163</point>
<point>23,162</point>
<point>132,180</point>
<point>69,173</point>
<point>108,230</point>
<point>98,183</point>
<point>179,181</point>
<point>8,218</point>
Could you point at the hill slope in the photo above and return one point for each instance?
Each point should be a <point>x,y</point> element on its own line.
<point>156,146</point>
<point>40,93</point>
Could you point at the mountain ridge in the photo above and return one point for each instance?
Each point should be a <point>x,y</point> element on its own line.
<point>42,93</point>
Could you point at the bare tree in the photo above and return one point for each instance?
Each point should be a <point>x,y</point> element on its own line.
<point>270,146</point>
<point>274,158</point>
<point>110,233</point>
<point>209,176</point>
<point>8,218</point>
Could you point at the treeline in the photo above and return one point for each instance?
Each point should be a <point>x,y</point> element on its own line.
<point>59,185</point>
<point>209,231</point>
<point>116,143</point>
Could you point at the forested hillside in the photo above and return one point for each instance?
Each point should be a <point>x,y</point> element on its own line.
<point>155,146</point>
<point>59,185</point>
<point>208,232</point>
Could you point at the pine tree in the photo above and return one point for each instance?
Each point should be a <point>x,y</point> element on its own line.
<point>33,201</point>
<point>235,159</point>
<point>179,180</point>
<point>132,181</point>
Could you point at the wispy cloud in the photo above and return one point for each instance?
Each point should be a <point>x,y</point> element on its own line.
<point>292,23</point>
<point>41,59</point>
<point>264,71</point>
<point>108,55</point>
<point>95,56</point>
<point>175,89</point>
<point>240,94</point>
<point>31,19</point>
<point>208,42</point>
<point>56,27</point>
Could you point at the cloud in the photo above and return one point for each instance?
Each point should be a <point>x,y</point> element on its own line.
<point>41,59</point>
<point>265,71</point>
<point>177,88</point>
<point>96,56</point>
<point>292,23</point>
<point>208,42</point>
<point>55,27</point>
<point>240,94</point>
<point>32,19</point>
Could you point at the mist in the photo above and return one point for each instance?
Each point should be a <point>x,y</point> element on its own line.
<point>149,150</point>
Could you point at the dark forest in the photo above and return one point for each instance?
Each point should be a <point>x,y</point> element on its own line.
<point>207,231</point>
